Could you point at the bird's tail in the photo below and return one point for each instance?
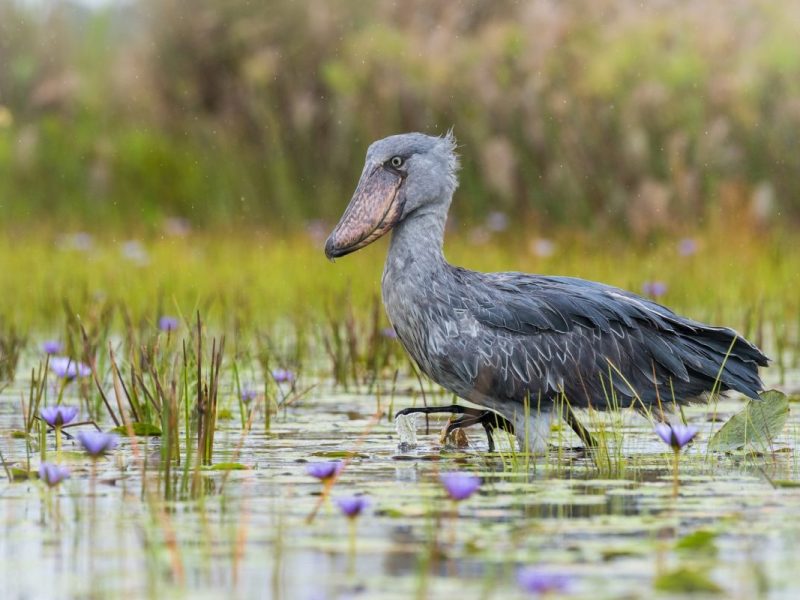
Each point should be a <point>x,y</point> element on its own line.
<point>739,367</point>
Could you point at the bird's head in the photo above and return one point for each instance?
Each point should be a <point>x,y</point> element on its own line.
<point>402,174</point>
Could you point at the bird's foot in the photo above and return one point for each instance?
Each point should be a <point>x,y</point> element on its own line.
<point>489,419</point>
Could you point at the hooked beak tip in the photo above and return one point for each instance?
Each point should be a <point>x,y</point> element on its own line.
<point>331,251</point>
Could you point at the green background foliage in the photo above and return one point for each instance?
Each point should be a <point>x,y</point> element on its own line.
<point>599,115</point>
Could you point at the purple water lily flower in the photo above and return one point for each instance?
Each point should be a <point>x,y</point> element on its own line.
<point>687,247</point>
<point>389,333</point>
<point>56,416</point>
<point>134,251</point>
<point>676,436</point>
<point>248,394</point>
<point>542,247</point>
<point>52,347</point>
<point>497,221</point>
<point>97,443</point>
<point>537,581</point>
<point>168,324</point>
<point>460,485</point>
<point>352,506</point>
<point>52,474</point>
<point>654,289</point>
<point>69,369</point>
<point>324,470</point>
<point>282,375</point>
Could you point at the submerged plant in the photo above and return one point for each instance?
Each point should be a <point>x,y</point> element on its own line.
<point>676,436</point>
<point>535,580</point>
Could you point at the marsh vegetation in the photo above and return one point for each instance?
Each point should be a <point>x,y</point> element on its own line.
<point>195,403</point>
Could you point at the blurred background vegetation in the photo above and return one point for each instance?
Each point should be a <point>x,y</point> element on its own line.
<point>607,115</point>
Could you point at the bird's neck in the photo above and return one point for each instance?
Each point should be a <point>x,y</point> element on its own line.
<point>418,241</point>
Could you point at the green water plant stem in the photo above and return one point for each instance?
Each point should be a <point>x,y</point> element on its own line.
<point>352,507</point>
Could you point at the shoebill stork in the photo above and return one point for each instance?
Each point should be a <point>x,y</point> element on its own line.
<point>504,340</point>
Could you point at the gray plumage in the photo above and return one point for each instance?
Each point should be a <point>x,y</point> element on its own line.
<point>496,339</point>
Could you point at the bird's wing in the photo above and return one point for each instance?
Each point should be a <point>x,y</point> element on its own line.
<point>596,344</point>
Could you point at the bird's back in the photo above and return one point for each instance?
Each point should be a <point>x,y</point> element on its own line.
<point>499,338</point>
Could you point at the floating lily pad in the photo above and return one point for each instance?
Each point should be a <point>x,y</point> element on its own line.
<point>229,466</point>
<point>686,581</point>
<point>18,474</point>
<point>757,425</point>
<point>18,434</point>
<point>69,456</point>
<point>143,429</point>
<point>786,483</point>
<point>339,454</point>
<point>701,541</point>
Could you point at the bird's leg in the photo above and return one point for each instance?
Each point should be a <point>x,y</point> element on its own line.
<point>583,433</point>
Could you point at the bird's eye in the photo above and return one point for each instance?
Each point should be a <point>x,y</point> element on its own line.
<point>397,161</point>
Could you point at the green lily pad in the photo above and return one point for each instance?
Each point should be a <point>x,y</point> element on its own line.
<point>69,456</point>
<point>701,541</point>
<point>229,466</point>
<point>339,454</point>
<point>18,434</point>
<point>757,425</point>
<point>18,474</point>
<point>685,581</point>
<point>142,429</point>
<point>786,483</point>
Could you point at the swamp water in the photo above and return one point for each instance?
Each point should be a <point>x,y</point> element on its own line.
<point>612,531</point>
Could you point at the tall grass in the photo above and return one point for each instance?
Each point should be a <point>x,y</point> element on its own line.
<point>248,284</point>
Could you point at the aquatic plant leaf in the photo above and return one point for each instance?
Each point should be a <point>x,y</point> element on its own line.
<point>73,456</point>
<point>685,581</point>
<point>224,414</point>
<point>18,434</point>
<point>18,474</point>
<point>229,466</point>
<point>142,429</point>
<point>757,425</point>
<point>339,454</point>
<point>701,541</point>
